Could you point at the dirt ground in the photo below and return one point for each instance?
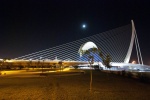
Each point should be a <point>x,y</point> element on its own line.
<point>73,87</point>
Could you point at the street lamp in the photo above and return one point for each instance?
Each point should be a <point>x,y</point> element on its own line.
<point>30,62</point>
<point>42,64</point>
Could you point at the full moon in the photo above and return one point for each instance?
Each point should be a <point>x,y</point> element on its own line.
<point>83,25</point>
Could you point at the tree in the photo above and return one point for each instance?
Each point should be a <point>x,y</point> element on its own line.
<point>2,64</point>
<point>60,64</point>
<point>105,60</point>
<point>89,55</point>
<point>76,67</point>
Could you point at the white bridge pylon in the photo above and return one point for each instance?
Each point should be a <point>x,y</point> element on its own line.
<point>134,39</point>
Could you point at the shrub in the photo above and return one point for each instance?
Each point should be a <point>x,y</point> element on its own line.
<point>43,74</point>
<point>123,72</point>
<point>129,74</point>
<point>119,73</point>
<point>143,77</point>
<point>76,67</point>
<point>111,72</point>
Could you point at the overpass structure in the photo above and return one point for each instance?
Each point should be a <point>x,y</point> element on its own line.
<point>118,43</point>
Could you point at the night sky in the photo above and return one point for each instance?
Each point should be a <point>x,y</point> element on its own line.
<point>27,26</point>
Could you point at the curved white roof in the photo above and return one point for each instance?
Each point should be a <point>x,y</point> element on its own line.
<point>86,46</point>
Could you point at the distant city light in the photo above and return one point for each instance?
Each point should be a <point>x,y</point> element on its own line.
<point>133,62</point>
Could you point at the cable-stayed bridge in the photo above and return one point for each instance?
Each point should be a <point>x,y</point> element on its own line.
<point>118,43</point>
<point>114,42</point>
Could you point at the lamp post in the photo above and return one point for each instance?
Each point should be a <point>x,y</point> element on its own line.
<point>42,64</point>
<point>30,62</point>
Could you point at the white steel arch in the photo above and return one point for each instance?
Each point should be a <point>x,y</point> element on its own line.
<point>127,58</point>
